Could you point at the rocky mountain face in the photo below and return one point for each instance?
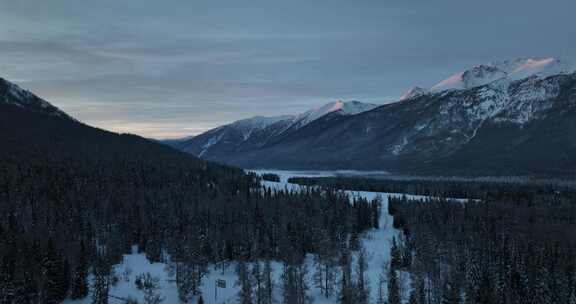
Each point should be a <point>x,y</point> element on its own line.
<point>258,132</point>
<point>490,124</point>
<point>510,70</point>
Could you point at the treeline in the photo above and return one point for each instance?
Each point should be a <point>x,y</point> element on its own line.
<point>342,275</point>
<point>506,249</point>
<point>438,188</point>
<point>271,177</point>
<point>62,220</point>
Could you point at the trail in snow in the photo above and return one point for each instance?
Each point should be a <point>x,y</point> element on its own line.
<point>377,243</point>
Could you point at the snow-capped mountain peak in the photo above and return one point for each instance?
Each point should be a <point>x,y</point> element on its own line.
<point>413,93</point>
<point>259,130</point>
<point>354,107</point>
<point>541,67</point>
<point>511,70</point>
<point>343,107</point>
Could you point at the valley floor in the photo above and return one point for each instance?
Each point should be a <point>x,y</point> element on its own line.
<point>377,243</point>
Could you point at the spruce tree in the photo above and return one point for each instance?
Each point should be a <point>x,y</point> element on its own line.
<point>55,276</point>
<point>302,286</point>
<point>101,273</point>
<point>289,285</point>
<point>268,283</point>
<point>362,282</point>
<point>393,287</point>
<point>325,263</point>
<point>245,283</point>
<point>257,276</point>
<point>80,276</point>
<point>450,294</point>
<point>346,293</point>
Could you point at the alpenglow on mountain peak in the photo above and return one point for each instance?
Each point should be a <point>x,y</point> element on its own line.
<point>343,107</point>
<point>259,130</point>
<point>510,70</point>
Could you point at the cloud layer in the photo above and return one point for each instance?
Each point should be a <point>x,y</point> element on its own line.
<point>175,68</point>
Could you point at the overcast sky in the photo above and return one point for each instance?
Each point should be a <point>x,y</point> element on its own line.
<point>175,68</point>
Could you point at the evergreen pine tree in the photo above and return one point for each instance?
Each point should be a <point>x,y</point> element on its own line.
<point>302,283</point>
<point>268,283</point>
<point>346,293</point>
<point>382,282</point>
<point>257,276</point>
<point>393,287</point>
<point>244,281</point>
<point>56,279</point>
<point>80,276</point>
<point>289,292</point>
<point>541,292</point>
<point>101,280</point>
<point>395,255</point>
<point>413,297</point>
<point>362,283</point>
<point>7,289</point>
<point>450,294</point>
<point>325,262</point>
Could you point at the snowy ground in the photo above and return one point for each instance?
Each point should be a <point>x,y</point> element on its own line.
<point>376,241</point>
<point>286,174</point>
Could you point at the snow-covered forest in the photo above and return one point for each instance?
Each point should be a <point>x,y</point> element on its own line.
<point>321,273</point>
<point>278,242</point>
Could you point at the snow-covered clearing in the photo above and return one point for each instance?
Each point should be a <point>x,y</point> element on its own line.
<point>377,243</point>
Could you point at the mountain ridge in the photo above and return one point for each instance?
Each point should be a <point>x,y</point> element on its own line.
<point>434,133</point>
<point>259,131</point>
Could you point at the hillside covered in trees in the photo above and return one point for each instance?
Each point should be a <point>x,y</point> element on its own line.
<point>74,198</point>
<point>509,248</point>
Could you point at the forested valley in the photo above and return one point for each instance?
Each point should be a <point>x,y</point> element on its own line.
<point>61,221</point>
<point>439,187</point>
<point>510,242</point>
<point>74,199</point>
<point>512,247</point>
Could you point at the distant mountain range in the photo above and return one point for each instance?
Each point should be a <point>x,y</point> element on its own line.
<point>257,132</point>
<point>508,118</point>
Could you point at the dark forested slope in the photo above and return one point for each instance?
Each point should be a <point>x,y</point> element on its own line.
<point>74,198</point>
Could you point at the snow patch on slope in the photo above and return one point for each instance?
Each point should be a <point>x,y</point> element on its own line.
<point>249,125</point>
<point>529,99</point>
<point>210,142</point>
<point>11,93</point>
<point>260,121</point>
